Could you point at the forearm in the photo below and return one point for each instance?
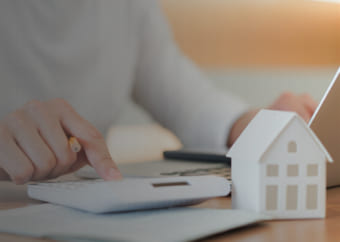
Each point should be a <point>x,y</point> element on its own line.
<point>182,98</point>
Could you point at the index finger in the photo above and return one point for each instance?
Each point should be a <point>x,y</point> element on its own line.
<point>90,139</point>
<point>309,103</point>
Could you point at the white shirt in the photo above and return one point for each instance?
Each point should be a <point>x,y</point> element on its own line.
<point>97,54</point>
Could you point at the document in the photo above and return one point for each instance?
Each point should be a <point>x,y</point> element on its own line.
<point>175,224</point>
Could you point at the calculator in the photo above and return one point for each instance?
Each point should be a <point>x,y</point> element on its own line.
<point>130,194</point>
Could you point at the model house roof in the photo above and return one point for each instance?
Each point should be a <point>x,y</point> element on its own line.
<point>262,131</point>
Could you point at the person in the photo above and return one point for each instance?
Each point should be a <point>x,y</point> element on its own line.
<point>68,66</point>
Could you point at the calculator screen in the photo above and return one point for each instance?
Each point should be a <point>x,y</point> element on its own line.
<point>170,184</point>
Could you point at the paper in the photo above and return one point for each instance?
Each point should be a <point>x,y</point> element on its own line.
<point>175,224</point>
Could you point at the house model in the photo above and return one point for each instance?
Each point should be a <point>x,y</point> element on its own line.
<point>279,167</point>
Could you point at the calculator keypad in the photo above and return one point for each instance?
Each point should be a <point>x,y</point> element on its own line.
<point>218,171</point>
<point>70,185</point>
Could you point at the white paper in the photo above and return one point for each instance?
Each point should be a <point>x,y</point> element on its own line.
<point>175,224</point>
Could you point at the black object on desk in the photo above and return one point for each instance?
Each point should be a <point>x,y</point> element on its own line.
<point>197,156</point>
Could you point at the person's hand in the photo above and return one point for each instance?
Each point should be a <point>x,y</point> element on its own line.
<point>303,105</point>
<point>34,143</point>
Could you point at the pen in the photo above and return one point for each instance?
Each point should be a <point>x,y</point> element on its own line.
<point>74,144</point>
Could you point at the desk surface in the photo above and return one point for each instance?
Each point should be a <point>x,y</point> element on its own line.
<point>13,196</point>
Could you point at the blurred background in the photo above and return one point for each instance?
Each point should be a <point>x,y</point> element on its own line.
<point>260,48</point>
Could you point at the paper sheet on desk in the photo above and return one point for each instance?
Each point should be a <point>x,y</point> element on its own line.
<point>176,224</point>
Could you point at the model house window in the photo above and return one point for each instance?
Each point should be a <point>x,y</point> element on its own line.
<point>291,197</point>
<point>272,170</point>
<point>312,170</point>
<point>292,170</point>
<point>292,147</point>
<point>312,196</point>
<point>271,197</point>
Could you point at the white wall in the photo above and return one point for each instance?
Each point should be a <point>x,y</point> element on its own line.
<point>261,87</point>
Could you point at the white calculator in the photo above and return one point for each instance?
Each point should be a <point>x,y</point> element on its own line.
<point>130,194</point>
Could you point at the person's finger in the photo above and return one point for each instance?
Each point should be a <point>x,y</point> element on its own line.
<point>309,103</point>
<point>31,143</point>
<point>290,102</point>
<point>53,134</point>
<point>305,115</point>
<point>12,160</point>
<point>3,175</point>
<point>301,110</point>
<point>81,161</point>
<point>285,102</point>
<point>90,139</point>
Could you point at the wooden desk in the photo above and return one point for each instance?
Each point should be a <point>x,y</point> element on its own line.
<point>328,229</point>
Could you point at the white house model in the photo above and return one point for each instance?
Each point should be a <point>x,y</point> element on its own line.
<point>279,167</point>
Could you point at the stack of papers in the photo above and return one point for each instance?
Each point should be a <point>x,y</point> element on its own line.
<point>175,224</point>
